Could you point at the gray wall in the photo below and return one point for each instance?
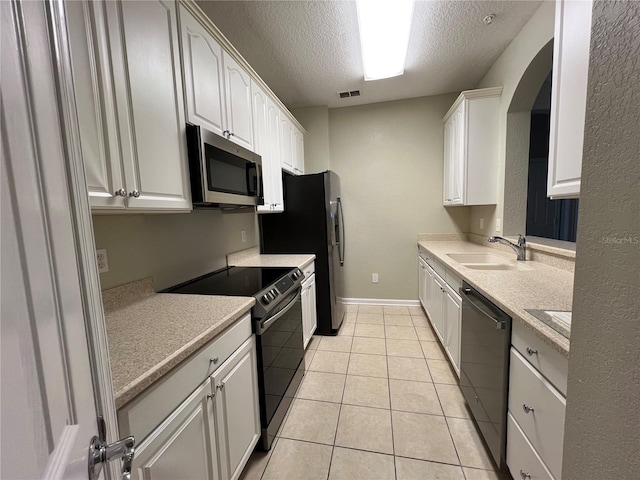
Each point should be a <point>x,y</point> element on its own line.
<point>602,432</point>
<point>389,158</point>
<point>170,248</point>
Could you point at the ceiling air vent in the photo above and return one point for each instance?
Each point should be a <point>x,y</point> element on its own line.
<point>352,93</point>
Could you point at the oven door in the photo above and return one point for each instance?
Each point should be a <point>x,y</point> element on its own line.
<point>280,363</point>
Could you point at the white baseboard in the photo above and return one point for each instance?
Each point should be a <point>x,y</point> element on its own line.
<point>379,301</point>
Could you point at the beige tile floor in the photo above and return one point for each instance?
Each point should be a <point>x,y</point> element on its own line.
<point>378,401</point>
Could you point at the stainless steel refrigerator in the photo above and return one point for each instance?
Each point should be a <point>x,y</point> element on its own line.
<point>312,222</point>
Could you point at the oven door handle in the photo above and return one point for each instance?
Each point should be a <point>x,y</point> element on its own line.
<point>467,295</point>
<point>264,325</point>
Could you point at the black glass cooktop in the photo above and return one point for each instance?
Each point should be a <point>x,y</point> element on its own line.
<point>233,281</point>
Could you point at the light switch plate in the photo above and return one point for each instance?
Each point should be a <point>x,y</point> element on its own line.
<point>374,277</point>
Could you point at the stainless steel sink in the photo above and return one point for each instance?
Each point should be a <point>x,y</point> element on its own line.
<point>485,261</point>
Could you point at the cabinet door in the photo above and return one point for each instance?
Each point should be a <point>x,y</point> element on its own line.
<point>273,120</point>
<point>286,143</point>
<point>148,82</point>
<point>238,96</point>
<point>458,146</point>
<point>95,104</point>
<point>183,446</point>
<point>298,145</point>
<point>261,143</point>
<point>236,409</point>
<point>203,78</point>
<point>304,299</point>
<point>421,282</point>
<point>568,96</point>
<point>448,160</point>
<point>452,318</point>
<point>313,315</point>
<point>437,304</point>
<point>429,291</point>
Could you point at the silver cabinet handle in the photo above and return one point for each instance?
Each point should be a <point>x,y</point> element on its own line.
<point>524,474</point>
<point>527,408</point>
<point>211,396</point>
<point>121,193</point>
<point>531,351</point>
<point>230,134</point>
<point>214,360</point>
<point>226,133</point>
<point>220,386</point>
<point>134,194</point>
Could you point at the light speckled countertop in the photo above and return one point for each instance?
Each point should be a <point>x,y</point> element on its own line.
<point>150,333</point>
<point>252,258</point>
<point>539,287</point>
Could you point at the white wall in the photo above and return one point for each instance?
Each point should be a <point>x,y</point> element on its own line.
<point>508,71</point>
<point>602,430</point>
<point>170,248</point>
<point>389,157</point>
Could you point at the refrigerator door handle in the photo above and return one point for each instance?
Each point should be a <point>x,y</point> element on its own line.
<point>341,250</point>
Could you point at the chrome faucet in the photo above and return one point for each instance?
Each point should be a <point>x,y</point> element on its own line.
<point>520,248</point>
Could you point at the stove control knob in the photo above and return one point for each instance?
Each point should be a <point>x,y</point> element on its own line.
<point>266,300</point>
<point>273,293</point>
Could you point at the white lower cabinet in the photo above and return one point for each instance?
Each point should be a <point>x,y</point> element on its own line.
<point>443,306</point>
<point>523,461</point>
<point>213,432</point>
<point>236,409</point>
<point>183,446</point>
<point>309,314</point>
<point>536,409</point>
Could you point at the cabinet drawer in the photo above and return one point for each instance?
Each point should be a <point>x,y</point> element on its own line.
<point>544,424</point>
<point>142,415</point>
<point>309,270</point>
<point>522,460</point>
<point>549,362</point>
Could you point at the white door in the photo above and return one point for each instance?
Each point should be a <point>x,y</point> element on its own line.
<point>437,303</point>
<point>448,160</point>
<point>48,409</point>
<point>313,322</point>
<point>238,96</point>
<point>184,445</point>
<point>236,409</point>
<point>298,155</point>
<point>262,144</point>
<point>203,78</point>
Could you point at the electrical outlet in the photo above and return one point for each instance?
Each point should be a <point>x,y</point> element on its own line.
<point>498,225</point>
<point>103,260</point>
<point>482,224</point>
<point>244,236</point>
<point>374,277</point>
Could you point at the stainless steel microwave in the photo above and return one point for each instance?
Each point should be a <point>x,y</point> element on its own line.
<point>222,173</point>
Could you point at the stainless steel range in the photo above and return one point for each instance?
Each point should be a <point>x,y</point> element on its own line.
<point>277,323</point>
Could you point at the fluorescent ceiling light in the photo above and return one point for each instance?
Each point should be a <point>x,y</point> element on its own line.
<point>385,26</point>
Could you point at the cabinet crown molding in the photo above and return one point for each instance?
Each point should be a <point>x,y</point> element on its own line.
<point>468,94</point>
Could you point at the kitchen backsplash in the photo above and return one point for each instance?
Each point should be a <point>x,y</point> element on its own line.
<point>170,248</point>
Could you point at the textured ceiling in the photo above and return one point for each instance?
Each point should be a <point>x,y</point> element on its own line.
<point>307,51</point>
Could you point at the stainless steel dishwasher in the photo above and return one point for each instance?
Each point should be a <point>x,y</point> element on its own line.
<point>484,368</point>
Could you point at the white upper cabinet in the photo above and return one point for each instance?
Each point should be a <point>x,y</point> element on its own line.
<point>266,141</point>
<point>568,96</point>
<point>286,144</point>
<point>273,123</point>
<point>238,96</point>
<point>95,104</point>
<point>128,89</point>
<point>298,151</point>
<point>203,78</point>
<point>471,148</point>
